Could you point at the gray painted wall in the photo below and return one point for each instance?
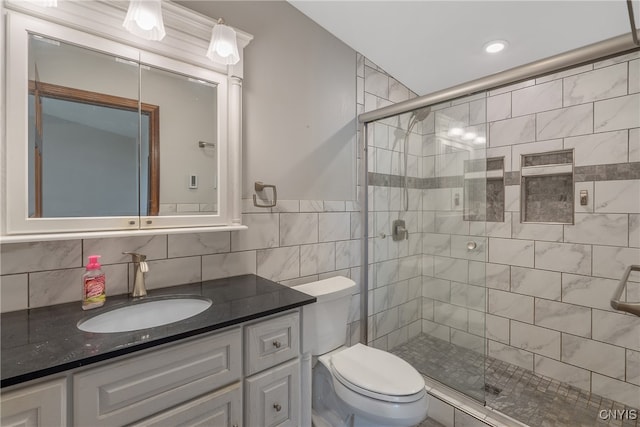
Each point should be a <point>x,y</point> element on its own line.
<point>299,101</point>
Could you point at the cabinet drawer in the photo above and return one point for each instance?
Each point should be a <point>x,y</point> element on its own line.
<point>271,342</point>
<point>39,405</point>
<point>138,387</point>
<point>220,409</point>
<point>273,397</point>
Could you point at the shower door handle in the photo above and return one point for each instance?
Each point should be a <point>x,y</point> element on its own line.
<point>629,307</point>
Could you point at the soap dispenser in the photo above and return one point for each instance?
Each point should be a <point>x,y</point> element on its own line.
<point>93,285</point>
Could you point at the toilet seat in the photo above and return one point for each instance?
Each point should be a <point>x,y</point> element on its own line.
<point>377,374</point>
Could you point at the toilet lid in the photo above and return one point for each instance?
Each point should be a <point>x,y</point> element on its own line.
<point>376,371</point>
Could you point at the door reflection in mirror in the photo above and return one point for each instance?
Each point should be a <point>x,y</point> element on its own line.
<point>84,158</point>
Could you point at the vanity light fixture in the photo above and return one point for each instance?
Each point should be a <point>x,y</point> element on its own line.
<point>495,46</point>
<point>224,45</point>
<point>144,19</point>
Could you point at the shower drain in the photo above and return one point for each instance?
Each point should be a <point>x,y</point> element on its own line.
<point>492,389</point>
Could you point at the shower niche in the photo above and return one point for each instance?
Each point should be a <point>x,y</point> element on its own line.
<point>547,186</point>
<point>484,176</point>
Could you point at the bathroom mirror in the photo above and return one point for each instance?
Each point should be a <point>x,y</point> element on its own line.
<point>105,135</point>
<point>139,140</point>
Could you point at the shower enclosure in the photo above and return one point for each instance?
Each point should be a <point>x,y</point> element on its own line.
<point>428,168</point>
<point>498,225</point>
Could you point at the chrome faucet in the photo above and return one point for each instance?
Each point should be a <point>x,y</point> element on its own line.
<point>140,267</point>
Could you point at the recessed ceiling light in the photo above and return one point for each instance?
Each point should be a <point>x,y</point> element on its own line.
<point>495,46</point>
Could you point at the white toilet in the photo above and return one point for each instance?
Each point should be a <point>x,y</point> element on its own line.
<point>358,385</point>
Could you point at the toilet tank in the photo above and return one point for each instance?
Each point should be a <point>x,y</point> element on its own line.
<point>324,323</point>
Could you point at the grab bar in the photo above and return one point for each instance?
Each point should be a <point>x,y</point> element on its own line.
<point>629,307</point>
<point>259,186</point>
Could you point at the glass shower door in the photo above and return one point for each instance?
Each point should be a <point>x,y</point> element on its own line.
<point>456,214</point>
<point>429,167</point>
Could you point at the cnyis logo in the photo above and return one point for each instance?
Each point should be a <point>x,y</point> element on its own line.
<point>618,414</point>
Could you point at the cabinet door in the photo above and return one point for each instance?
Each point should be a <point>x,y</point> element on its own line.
<point>273,397</point>
<point>141,386</point>
<point>271,342</point>
<point>39,405</point>
<point>220,409</point>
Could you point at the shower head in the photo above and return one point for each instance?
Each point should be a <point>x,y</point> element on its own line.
<point>417,116</point>
<point>421,114</point>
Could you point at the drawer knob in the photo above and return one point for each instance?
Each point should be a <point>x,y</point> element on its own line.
<point>277,407</point>
<point>277,344</point>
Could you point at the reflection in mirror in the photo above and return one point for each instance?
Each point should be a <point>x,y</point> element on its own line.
<point>188,143</point>
<point>84,129</point>
<point>98,145</point>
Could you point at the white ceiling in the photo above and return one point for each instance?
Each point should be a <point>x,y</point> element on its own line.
<point>433,45</point>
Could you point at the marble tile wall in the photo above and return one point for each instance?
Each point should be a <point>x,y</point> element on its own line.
<point>395,268</point>
<point>295,242</point>
<point>548,286</point>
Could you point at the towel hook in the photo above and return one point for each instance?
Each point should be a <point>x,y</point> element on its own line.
<point>260,186</point>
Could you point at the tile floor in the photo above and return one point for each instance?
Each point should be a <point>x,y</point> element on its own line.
<point>530,398</point>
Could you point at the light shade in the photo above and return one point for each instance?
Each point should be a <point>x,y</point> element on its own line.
<point>224,45</point>
<point>144,19</point>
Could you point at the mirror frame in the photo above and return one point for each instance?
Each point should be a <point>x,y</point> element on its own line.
<point>97,25</point>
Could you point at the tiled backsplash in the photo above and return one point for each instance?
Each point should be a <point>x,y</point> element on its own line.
<point>295,242</point>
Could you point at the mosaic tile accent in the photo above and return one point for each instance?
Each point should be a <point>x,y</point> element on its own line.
<point>613,172</point>
<point>619,171</point>
<point>548,199</point>
<point>533,399</point>
<point>484,200</point>
<point>555,158</point>
<point>512,178</point>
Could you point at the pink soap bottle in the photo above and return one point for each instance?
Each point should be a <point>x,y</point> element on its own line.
<point>93,285</point>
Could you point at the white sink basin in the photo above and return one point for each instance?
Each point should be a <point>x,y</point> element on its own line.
<point>145,314</point>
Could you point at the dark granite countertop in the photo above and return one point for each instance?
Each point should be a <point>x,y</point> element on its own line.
<point>44,341</point>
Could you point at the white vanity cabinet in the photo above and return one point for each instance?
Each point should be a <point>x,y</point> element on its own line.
<point>197,381</point>
<point>272,392</point>
<point>44,404</point>
<point>134,388</point>
<point>222,408</point>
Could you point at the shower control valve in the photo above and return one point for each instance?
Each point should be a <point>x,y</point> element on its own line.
<point>399,230</point>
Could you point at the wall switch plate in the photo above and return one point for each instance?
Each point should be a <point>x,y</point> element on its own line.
<point>584,197</point>
<point>193,181</point>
